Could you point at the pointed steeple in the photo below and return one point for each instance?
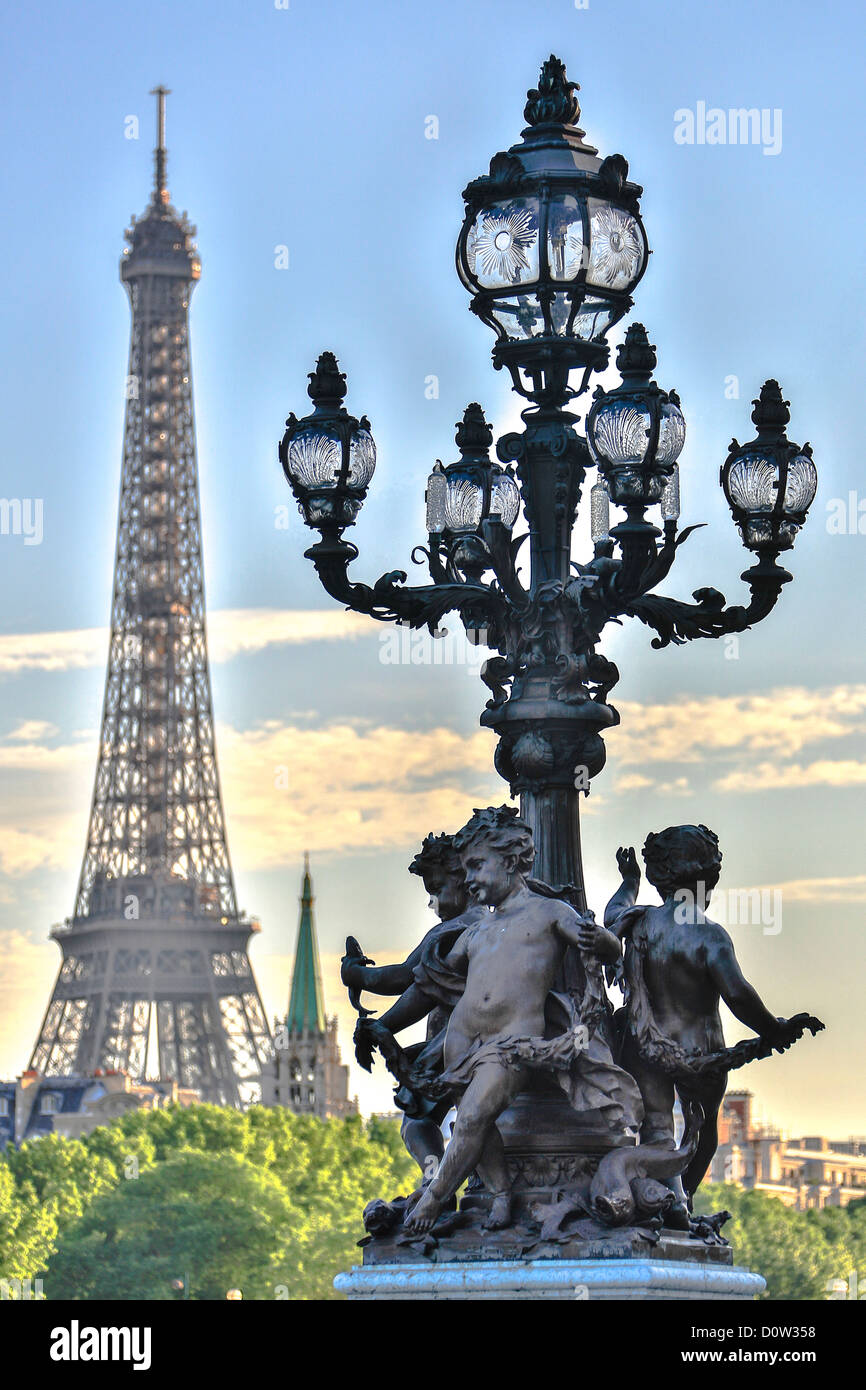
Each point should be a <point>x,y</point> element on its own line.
<point>306,1001</point>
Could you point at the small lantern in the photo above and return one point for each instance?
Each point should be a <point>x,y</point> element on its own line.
<point>328,456</point>
<point>670,498</point>
<point>770,483</point>
<point>471,491</point>
<point>599,512</point>
<point>637,431</point>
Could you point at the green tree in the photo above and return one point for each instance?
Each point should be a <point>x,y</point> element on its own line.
<point>209,1128</point>
<point>129,1153</point>
<point>845,1228</point>
<point>27,1229</point>
<point>344,1170</point>
<point>268,1201</point>
<point>214,1220</point>
<point>792,1251</point>
<point>63,1173</point>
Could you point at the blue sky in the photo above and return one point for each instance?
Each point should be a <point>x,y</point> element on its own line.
<point>305,128</point>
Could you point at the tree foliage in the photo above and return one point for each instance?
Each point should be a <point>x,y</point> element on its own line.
<point>271,1202</point>
<point>266,1201</point>
<point>28,1229</point>
<point>798,1253</point>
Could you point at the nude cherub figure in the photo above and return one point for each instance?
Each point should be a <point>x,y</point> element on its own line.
<point>678,966</point>
<point>510,959</point>
<point>439,866</point>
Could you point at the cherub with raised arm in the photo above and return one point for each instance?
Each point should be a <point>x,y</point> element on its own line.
<point>510,960</point>
<point>440,868</point>
<point>678,966</point>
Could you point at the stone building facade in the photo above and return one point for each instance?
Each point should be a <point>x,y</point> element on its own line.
<point>811,1171</point>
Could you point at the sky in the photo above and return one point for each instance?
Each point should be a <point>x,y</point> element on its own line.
<point>301,133</point>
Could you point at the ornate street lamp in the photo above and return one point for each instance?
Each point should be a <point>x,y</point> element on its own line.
<point>468,501</point>
<point>770,483</point>
<point>636,432</point>
<point>551,248</point>
<point>328,457</point>
<point>552,244</point>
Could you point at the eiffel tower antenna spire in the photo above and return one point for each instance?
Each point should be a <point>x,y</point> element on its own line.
<point>160,154</point>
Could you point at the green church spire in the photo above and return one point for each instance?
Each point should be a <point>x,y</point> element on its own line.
<point>306,1001</point>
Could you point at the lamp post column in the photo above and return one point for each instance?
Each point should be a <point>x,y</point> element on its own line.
<point>549,741</point>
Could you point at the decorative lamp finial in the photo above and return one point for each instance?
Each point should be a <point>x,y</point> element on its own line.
<point>636,356</point>
<point>555,98</point>
<point>327,383</point>
<point>771,413</point>
<point>474,435</point>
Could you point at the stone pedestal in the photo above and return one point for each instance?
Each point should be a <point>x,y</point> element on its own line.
<point>625,1262</point>
<point>555,1243</point>
<point>549,1147</point>
<point>576,1280</point>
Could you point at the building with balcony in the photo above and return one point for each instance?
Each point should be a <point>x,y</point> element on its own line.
<point>811,1171</point>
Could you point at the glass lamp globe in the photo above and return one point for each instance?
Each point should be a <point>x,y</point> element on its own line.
<point>636,432</point>
<point>328,457</point>
<point>769,483</point>
<point>468,493</point>
<point>552,244</point>
<point>474,489</point>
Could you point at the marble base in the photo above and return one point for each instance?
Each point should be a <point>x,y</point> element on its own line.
<point>576,1280</point>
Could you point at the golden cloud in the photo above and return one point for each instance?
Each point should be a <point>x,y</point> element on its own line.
<point>345,788</point>
<point>27,972</point>
<point>775,776</point>
<point>353,786</point>
<point>823,890</point>
<point>781,721</point>
<point>231,631</point>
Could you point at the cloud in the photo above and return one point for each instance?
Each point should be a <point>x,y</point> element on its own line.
<point>352,786</point>
<point>633,782</point>
<point>781,721</point>
<point>44,801</point>
<point>27,972</point>
<point>30,729</point>
<point>231,631</point>
<point>344,788</point>
<point>338,788</point>
<point>52,651</point>
<point>774,777</point>
<point>49,843</point>
<point>823,890</point>
<point>36,757</point>
<point>677,786</point>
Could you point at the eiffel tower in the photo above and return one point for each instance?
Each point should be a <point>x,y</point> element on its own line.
<point>155,978</point>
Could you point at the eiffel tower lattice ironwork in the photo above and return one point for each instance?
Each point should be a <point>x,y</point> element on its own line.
<point>156,978</point>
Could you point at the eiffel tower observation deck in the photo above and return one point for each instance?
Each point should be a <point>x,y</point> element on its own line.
<point>156,978</point>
